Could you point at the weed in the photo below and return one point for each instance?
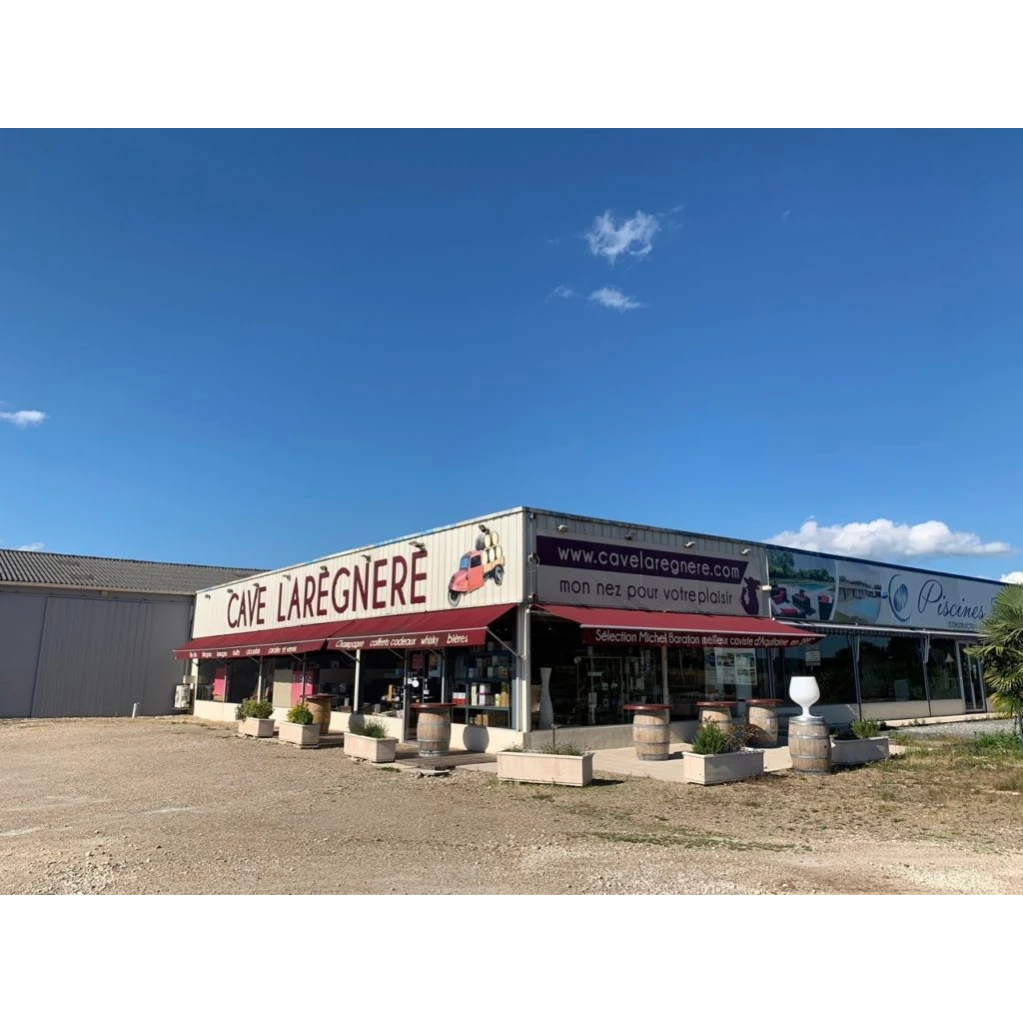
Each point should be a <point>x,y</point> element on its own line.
<point>692,841</point>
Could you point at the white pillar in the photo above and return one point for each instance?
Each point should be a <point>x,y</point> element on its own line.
<point>523,689</point>
<point>357,687</point>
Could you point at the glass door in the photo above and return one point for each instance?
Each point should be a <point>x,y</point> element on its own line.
<point>973,682</point>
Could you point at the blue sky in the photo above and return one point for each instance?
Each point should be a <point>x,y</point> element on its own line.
<point>256,348</point>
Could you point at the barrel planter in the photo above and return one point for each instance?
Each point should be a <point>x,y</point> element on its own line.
<point>762,721</point>
<point>651,731</point>
<point>433,729</point>
<point>319,707</point>
<point>717,712</point>
<point>809,745</point>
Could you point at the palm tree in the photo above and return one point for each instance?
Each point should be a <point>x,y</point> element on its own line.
<point>1001,653</point>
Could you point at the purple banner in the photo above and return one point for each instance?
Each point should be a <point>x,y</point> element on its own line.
<point>590,556</point>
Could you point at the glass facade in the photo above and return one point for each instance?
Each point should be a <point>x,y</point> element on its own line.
<point>891,669</point>
<point>830,662</point>
<point>942,673</point>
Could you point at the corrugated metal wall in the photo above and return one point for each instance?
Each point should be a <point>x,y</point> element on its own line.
<point>21,628</point>
<point>82,656</point>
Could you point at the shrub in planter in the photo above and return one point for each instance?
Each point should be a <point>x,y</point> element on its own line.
<point>368,740</point>
<point>299,728</point>
<point>254,718</point>
<point>717,756</point>
<point>558,764</point>
<point>860,743</point>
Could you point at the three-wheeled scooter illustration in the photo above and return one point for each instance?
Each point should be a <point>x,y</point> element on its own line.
<point>477,566</point>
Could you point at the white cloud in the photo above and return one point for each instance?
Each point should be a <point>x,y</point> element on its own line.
<point>24,417</point>
<point>563,291</point>
<point>1012,577</point>
<point>885,539</point>
<point>32,547</point>
<point>612,298</point>
<point>634,236</point>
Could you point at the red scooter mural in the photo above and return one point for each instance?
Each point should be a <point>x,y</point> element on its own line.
<point>477,566</point>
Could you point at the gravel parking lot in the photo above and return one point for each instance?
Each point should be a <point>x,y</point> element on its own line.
<point>173,805</point>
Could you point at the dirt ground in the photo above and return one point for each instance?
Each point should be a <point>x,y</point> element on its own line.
<point>171,805</point>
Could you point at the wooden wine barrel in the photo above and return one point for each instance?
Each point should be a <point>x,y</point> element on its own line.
<point>719,712</point>
<point>762,718</point>
<point>319,707</point>
<point>809,745</point>
<point>651,732</point>
<point>433,729</point>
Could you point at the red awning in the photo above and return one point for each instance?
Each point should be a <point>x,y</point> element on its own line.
<point>427,630</point>
<point>298,639</point>
<point>671,628</point>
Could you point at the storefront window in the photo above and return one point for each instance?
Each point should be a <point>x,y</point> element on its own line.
<point>891,669</point>
<point>714,673</point>
<point>830,661</point>
<point>942,674</point>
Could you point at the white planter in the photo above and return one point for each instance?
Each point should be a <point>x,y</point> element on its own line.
<point>376,751</point>
<point>258,728</point>
<point>859,751</point>
<point>718,768</point>
<point>303,736</point>
<point>545,768</point>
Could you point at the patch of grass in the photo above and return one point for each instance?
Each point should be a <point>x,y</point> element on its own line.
<point>549,796</point>
<point>1003,744</point>
<point>392,770</point>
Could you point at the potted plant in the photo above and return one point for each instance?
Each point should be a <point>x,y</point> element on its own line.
<point>547,765</point>
<point>368,740</point>
<point>860,743</point>
<point>299,728</point>
<point>717,756</point>
<point>254,718</point>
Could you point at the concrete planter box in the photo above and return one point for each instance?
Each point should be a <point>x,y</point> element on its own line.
<point>859,751</point>
<point>545,768</point>
<point>376,751</point>
<point>303,736</point>
<point>258,728</point>
<point>719,768</point>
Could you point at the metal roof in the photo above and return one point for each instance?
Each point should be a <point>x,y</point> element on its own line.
<point>41,568</point>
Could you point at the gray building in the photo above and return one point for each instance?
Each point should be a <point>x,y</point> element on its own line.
<point>84,636</point>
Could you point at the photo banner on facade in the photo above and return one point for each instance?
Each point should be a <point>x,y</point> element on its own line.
<point>812,587</point>
<point>606,574</point>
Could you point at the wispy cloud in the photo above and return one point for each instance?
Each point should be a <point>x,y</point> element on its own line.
<point>633,236</point>
<point>884,538</point>
<point>562,291</point>
<point>23,417</point>
<point>553,241</point>
<point>785,216</point>
<point>612,298</point>
<point>1012,577</point>
<point>32,547</point>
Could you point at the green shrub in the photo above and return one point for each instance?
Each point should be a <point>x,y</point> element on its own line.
<point>866,728</point>
<point>710,739</point>
<point>996,743</point>
<point>300,714</point>
<point>254,709</point>
<point>370,729</point>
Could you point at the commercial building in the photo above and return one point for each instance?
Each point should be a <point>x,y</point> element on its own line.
<point>527,618</point>
<point>86,636</point>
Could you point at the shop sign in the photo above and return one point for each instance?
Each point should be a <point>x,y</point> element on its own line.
<point>418,640</point>
<point>596,573</point>
<point>664,637</point>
